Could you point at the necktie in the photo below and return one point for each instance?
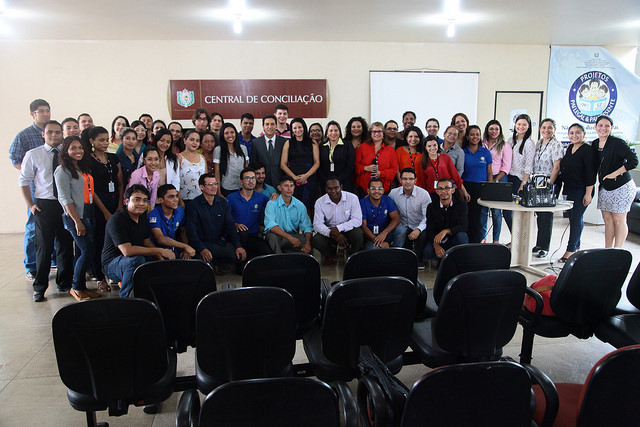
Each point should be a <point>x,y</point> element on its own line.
<point>54,165</point>
<point>270,147</point>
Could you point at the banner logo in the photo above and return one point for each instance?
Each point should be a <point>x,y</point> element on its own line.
<point>592,94</point>
<point>185,98</point>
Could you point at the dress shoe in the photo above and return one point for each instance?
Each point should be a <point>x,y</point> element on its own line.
<point>329,260</point>
<point>420,265</point>
<point>61,289</point>
<point>536,249</point>
<point>38,297</point>
<point>93,294</point>
<point>80,295</point>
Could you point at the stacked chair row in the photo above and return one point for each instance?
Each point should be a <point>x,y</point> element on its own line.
<point>246,336</point>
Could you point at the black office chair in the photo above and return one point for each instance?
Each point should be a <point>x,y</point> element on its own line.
<point>478,394</point>
<point>623,328</point>
<point>387,262</point>
<point>608,397</point>
<point>377,312</point>
<point>244,333</point>
<point>298,274</point>
<point>271,402</point>
<point>585,293</point>
<point>466,258</point>
<point>175,287</point>
<point>477,316</point>
<point>91,335</point>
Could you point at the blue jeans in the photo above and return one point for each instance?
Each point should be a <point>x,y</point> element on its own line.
<point>85,244</point>
<point>496,218</point>
<point>368,244</point>
<point>121,269</point>
<point>575,193</point>
<point>400,239</point>
<point>459,239</point>
<point>30,239</point>
<point>508,215</point>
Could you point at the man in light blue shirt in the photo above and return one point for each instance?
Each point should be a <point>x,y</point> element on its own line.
<point>412,202</point>
<point>286,223</point>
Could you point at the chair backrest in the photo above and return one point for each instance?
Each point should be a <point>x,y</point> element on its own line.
<point>271,402</point>
<point>110,348</point>
<point>468,258</point>
<point>246,333</point>
<point>175,287</point>
<point>611,394</point>
<point>382,262</point>
<point>484,393</point>
<point>478,313</point>
<point>298,274</point>
<point>589,286</point>
<point>633,288</point>
<point>377,312</point>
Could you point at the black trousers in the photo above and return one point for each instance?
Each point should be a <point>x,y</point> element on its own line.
<point>254,244</point>
<point>50,231</point>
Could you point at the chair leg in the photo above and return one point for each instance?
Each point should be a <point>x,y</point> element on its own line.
<point>92,421</point>
<point>526,348</point>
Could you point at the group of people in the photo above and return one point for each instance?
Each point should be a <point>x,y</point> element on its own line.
<point>146,190</point>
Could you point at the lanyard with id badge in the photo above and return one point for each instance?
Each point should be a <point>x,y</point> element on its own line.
<point>435,168</point>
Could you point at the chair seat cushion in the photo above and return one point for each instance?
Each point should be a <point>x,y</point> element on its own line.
<point>620,331</point>
<point>568,395</point>
<point>323,368</point>
<point>425,346</point>
<point>550,326</point>
<point>158,392</point>
<point>430,308</point>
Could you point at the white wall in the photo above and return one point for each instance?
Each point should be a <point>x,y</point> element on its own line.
<point>107,78</point>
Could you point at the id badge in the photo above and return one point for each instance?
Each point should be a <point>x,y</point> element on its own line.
<point>435,184</point>
<point>376,229</point>
<point>90,198</point>
<point>331,167</point>
<point>112,187</point>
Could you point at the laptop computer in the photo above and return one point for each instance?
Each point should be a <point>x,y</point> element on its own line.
<point>496,191</point>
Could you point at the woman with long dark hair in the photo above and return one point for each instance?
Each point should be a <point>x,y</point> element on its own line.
<point>76,194</point>
<point>127,155</point>
<point>300,160</point>
<point>461,122</point>
<point>337,157</point>
<point>614,159</point>
<point>501,156</point>
<point>229,158</point>
<point>207,145</point>
<point>356,131</point>
<point>169,169</point>
<point>410,155</point>
<point>148,175</point>
<point>578,178</point>
<point>436,166</point>
<point>109,188</point>
<point>192,166</point>
<point>477,169</point>
<point>118,125</point>
<point>522,153</point>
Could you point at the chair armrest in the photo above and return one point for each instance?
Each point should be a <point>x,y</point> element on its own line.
<point>371,400</point>
<point>188,412</point>
<point>348,406</point>
<point>550,393</point>
<point>527,322</point>
<point>325,287</point>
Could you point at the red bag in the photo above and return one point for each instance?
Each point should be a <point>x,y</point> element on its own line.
<point>544,287</point>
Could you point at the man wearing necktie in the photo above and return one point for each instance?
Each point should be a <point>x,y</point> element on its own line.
<point>267,149</point>
<point>37,168</point>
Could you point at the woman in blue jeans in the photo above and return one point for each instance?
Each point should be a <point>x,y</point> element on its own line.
<point>579,177</point>
<point>76,194</point>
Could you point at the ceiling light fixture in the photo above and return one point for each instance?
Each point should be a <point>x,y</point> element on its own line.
<point>237,24</point>
<point>451,28</point>
<point>237,7</point>
<point>451,11</point>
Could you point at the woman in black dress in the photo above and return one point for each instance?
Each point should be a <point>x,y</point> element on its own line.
<point>300,160</point>
<point>337,157</point>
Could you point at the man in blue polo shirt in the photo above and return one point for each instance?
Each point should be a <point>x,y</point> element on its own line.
<point>166,223</point>
<point>379,217</point>
<point>247,209</point>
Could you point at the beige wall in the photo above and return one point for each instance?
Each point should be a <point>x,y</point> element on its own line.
<point>107,78</point>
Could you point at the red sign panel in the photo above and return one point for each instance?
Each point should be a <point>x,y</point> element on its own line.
<point>232,98</point>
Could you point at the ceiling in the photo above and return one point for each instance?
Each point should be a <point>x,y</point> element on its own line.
<point>542,22</point>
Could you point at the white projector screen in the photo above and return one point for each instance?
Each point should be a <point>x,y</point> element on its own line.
<point>428,94</point>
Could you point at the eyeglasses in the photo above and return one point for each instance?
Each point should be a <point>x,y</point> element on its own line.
<point>377,188</point>
<point>443,189</point>
<point>210,184</point>
<point>315,130</point>
<point>249,178</point>
<point>42,110</point>
<point>376,131</point>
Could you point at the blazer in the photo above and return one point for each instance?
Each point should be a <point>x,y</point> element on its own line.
<point>616,153</point>
<point>271,163</point>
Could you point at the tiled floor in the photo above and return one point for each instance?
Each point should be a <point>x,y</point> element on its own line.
<point>31,392</point>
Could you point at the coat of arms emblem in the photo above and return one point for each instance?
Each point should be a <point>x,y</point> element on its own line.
<point>186,98</point>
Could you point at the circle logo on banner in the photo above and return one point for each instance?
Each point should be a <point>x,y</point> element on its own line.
<point>592,94</point>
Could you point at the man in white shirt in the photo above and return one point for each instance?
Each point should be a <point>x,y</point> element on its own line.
<point>37,168</point>
<point>337,219</point>
<point>412,202</point>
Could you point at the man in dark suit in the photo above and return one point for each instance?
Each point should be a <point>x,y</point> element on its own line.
<point>267,149</point>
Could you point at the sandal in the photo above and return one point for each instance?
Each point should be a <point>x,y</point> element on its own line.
<point>103,287</point>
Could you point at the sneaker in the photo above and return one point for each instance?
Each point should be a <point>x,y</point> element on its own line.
<point>420,265</point>
<point>542,253</point>
<point>536,249</point>
<point>38,297</point>
<point>30,276</point>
